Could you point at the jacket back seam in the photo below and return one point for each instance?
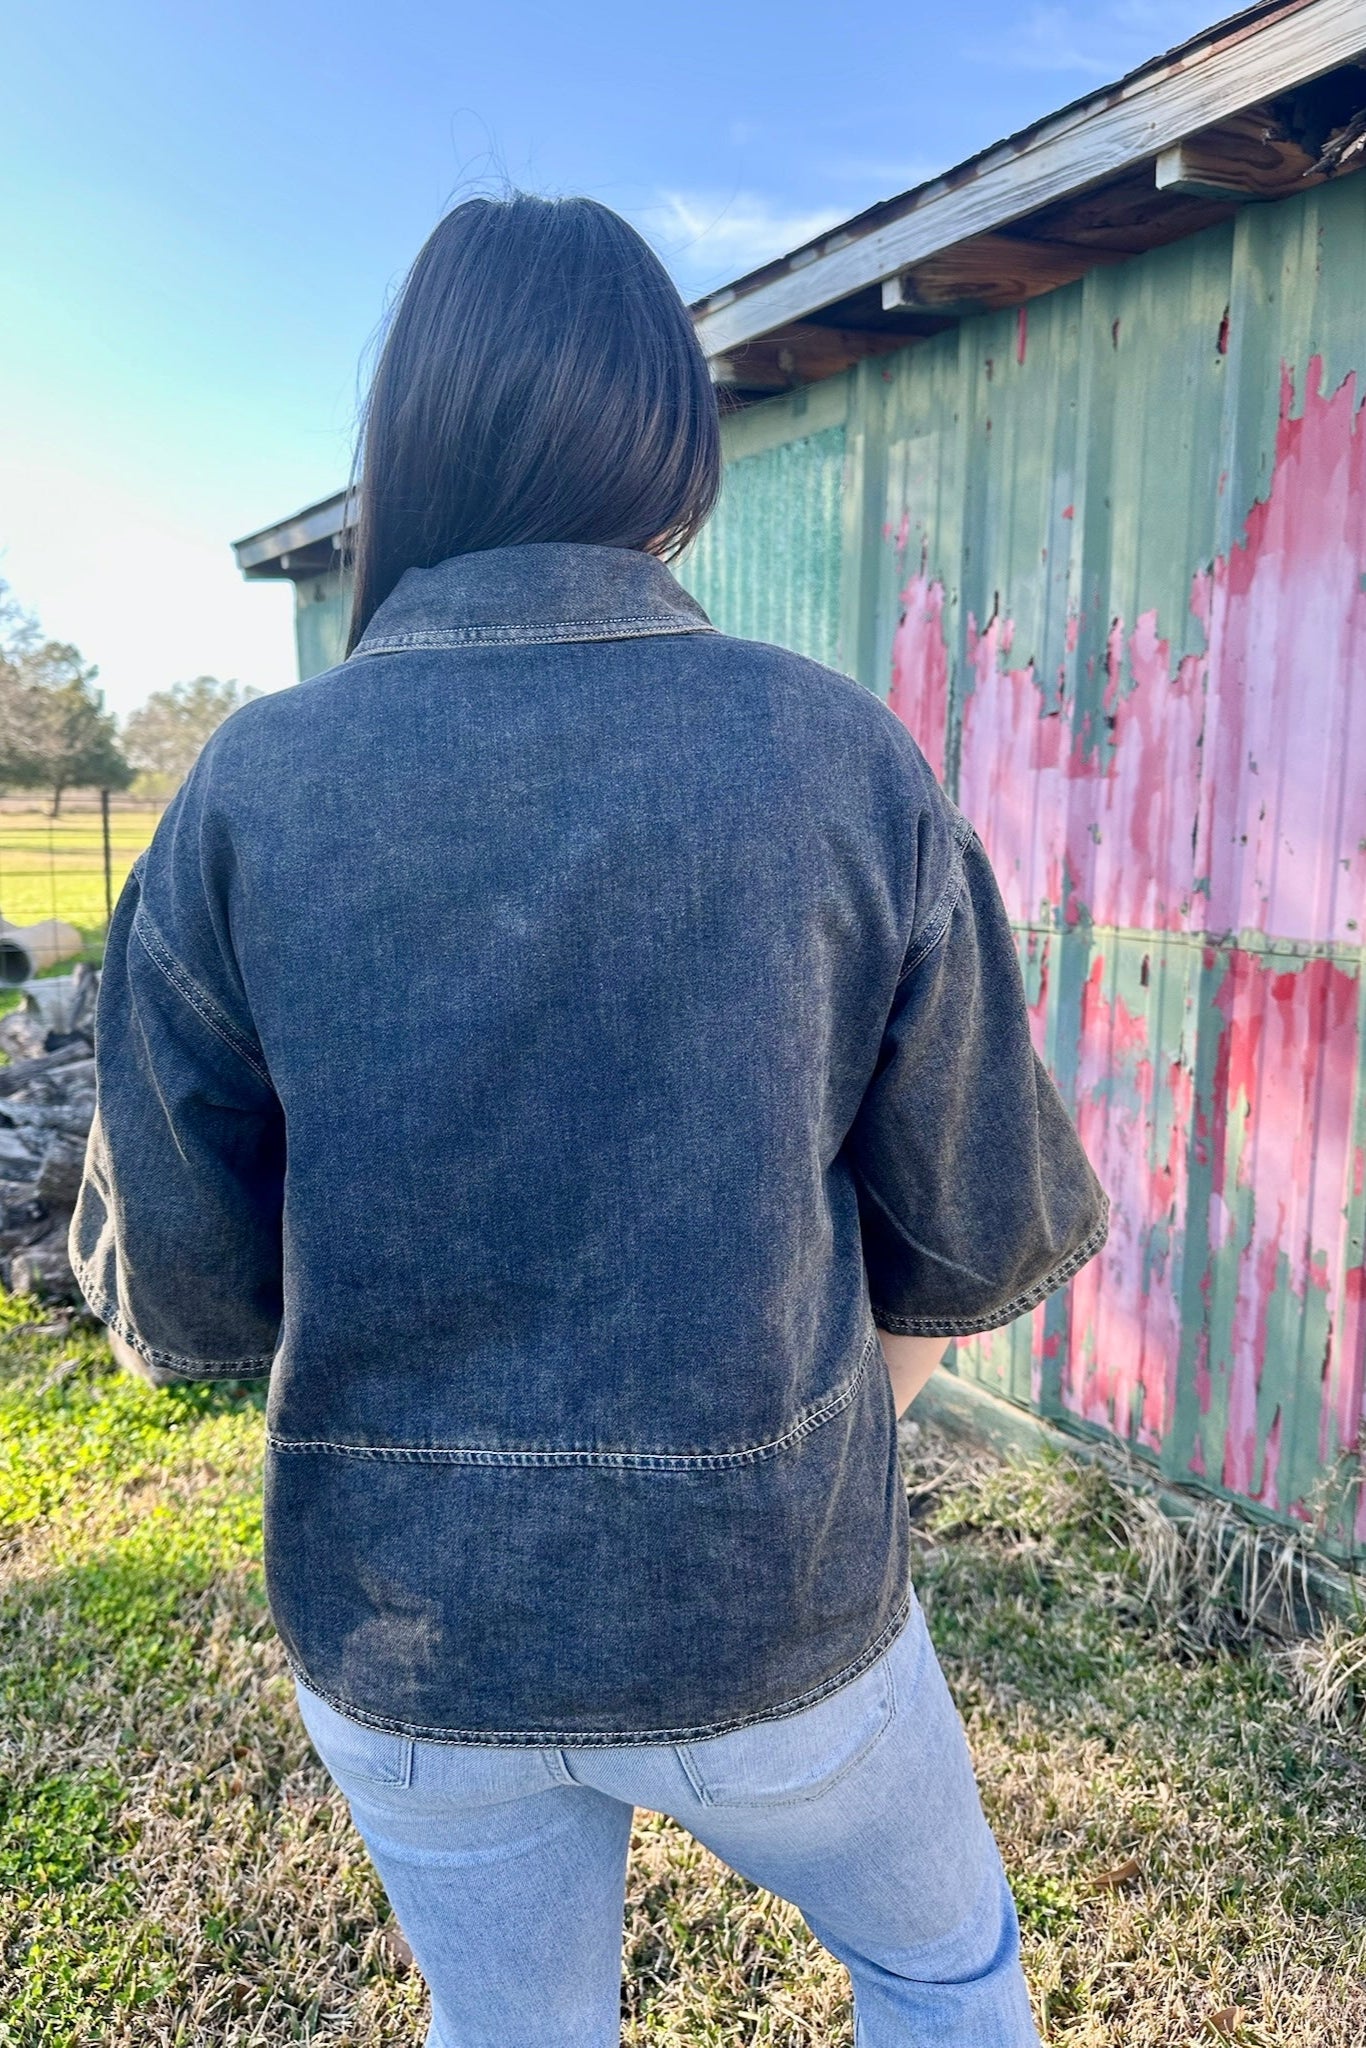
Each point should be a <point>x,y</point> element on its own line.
<point>677,1462</point>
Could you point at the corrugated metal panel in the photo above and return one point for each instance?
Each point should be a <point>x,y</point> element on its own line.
<point>322,610</point>
<point>768,564</point>
<point>1271,1380</point>
<point>1108,559</point>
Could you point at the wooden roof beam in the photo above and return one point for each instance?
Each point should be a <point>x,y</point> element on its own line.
<point>801,353</point>
<point>992,271</point>
<point>1248,157</point>
<point>1240,64</point>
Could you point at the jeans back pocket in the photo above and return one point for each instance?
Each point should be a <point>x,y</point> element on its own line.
<point>352,1752</point>
<point>799,1756</point>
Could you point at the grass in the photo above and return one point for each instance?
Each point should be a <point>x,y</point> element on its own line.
<point>55,867</point>
<point>1187,1843</point>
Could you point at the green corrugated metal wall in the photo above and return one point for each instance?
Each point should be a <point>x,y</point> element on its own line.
<point>1107,557</point>
<point>769,561</point>
<point>320,622</point>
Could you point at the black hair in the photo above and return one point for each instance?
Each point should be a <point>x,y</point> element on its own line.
<point>540,380</point>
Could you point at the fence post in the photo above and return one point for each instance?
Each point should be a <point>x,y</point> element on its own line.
<point>108,862</point>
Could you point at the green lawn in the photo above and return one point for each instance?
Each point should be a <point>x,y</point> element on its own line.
<point>175,1869</point>
<point>55,867</point>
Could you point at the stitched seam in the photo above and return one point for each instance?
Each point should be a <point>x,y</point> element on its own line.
<point>974,1326</point>
<point>193,1368</point>
<point>939,918</point>
<point>612,1738</point>
<point>202,1004</point>
<point>530,636</point>
<point>625,1461</point>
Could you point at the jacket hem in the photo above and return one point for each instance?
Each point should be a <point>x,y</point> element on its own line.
<point>169,1361</point>
<point>612,1738</point>
<point>810,1419</point>
<point>1020,1304</point>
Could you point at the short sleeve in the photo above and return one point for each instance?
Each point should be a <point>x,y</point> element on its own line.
<point>976,1199</point>
<point>177,1236</point>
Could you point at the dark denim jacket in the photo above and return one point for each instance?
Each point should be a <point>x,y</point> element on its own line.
<point>545,1043</point>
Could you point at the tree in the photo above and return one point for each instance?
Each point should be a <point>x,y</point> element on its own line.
<point>19,630</point>
<point>54,730</point>
<point>162,738</point>
<point>61,737</point>
<point>19,637</point>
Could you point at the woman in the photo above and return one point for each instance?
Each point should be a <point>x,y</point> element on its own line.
<point>553,1045</point>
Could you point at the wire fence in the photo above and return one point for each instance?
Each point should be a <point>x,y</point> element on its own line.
<point>72,866</point>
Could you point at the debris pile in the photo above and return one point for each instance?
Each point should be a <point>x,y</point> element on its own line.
<point>47,1102</point>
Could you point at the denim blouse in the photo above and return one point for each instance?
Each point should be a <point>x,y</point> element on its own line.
<point>548,1044</point>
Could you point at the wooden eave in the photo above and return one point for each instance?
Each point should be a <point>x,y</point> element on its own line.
<point>1252,109</point>
<point>1243,112</point>
<point>306,544</point>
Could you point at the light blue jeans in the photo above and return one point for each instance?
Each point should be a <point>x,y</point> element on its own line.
<point>506,1867</point>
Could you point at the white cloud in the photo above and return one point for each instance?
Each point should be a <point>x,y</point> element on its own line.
<point>707,239</point>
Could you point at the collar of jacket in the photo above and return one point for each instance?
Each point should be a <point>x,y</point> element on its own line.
<point>535,595</point>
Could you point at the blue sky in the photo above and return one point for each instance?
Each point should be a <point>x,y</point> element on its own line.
<point>209,208</point>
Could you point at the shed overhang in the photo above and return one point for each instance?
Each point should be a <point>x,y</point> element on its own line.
<point>1256,107</point>
<point>1263,104</point>
<point>305,545</point>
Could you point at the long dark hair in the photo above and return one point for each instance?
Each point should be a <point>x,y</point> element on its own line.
<point>540,381</point>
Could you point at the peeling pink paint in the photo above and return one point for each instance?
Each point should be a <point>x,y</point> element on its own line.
<point>1133,843</point>
<point>1126,1305</point>
<point>1354,1347</point>
<point>1211,800</point>
<point>1036,953</point>
<point>1268,1492</point>
<point>1286,773</point>
<point>920,668</point>
<point>1121,844</point>
<point>1012,775</point>
<point>1283,1091</point>
<point>1041,1350</point>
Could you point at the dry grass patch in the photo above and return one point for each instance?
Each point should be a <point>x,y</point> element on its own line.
<point>1188,1845</point>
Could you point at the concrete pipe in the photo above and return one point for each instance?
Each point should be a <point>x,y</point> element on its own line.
<point>25,948</point>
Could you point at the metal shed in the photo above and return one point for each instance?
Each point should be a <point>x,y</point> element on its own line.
<point>1065,454</point>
